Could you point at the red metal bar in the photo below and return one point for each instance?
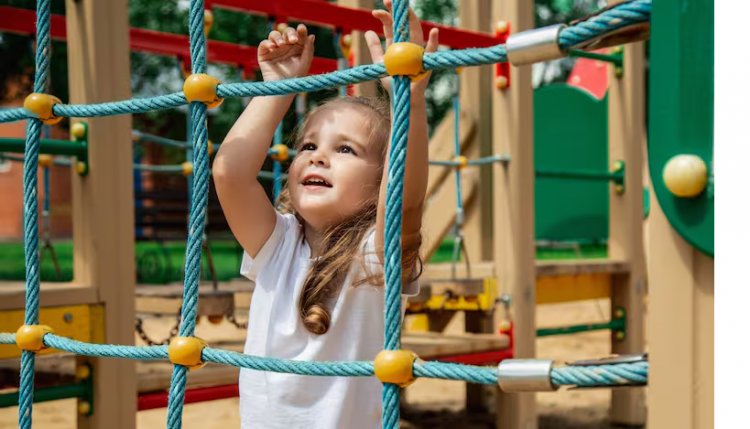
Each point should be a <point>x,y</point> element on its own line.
<point>347,19</point>
<point>479,358</point>
<point>21,21</point>
<point>149,401</point>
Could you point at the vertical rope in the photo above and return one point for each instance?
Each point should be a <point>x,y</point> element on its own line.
<point>457,232</point>
<point>277,164</point>
<point>31,214</point>
<point>393,211</point>
<point>197,221</point>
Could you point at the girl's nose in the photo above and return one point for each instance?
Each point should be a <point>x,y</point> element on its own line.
<point>319,158</point>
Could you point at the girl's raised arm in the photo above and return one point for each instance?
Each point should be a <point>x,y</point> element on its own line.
<point>250,214</point>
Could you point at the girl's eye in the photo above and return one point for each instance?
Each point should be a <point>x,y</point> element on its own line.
<point>347,149</point>
<point>308,146</point>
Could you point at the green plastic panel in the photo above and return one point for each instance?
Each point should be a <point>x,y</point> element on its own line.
<point>681,109</point>
<point>570,132</point>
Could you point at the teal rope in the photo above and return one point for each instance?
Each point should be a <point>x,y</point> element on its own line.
<point>601,375</point>
<point>197,220</point>
<point>393,213</point>
<point>31,213</point>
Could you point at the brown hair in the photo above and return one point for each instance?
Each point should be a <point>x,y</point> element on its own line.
<point>342,240</point>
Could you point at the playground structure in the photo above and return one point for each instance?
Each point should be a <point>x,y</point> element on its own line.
<point>509,215</point>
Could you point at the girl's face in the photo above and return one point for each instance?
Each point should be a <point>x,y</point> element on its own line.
<point>337,169</point>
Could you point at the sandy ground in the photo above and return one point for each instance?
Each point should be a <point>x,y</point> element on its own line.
<point>431,403</point>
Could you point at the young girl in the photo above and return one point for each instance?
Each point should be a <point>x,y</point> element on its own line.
<point>318,267</point>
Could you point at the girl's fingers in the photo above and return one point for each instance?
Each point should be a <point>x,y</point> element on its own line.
<point>302,32</point>
<point>374,45</point>
<point>276,37</point>
<point>432,41</point>
<point>387,21</point>
<point>415,28</point>
<point>290,36</point>
<point>265,47</point>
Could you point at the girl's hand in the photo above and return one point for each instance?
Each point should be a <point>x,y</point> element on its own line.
<point>416,34</point>
<point>286,55</point>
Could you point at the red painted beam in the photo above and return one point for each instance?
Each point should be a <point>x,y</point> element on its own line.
<point>22,21</point>
<point>347,19</point>
<point>479,358</point>
<point>149,401</point>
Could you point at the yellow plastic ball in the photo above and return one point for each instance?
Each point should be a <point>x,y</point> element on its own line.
<point>186,351</point>
<point>187,168</point>
<point>685,175</point>
<point>31,337</point>
<point>501,82</point>
<point>202,87</point>
<point>84,407</point>
<point>280,152</point>
<point>208,21</point>
<point>83,372</point>
<point>210,148</point>
<point>45,160</point>
<point>404,59</point>
<point>78,130</point>
<point>504,326</point>
<point>81,167</point>
<point>41,106</point>
<point>462,162</point>
<point>395,366</point>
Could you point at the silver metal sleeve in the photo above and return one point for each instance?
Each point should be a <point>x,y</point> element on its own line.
<point>533,46</point>
<point>525,375</point>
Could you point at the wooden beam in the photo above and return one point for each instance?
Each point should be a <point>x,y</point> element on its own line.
<point>104,254</point>
<point>627,135</point>
<point>440,211</point>
<point>680,329</point>
<point>513,211</point>
<point>359,49</point>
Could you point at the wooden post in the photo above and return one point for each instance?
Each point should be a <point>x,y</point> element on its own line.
<point>103,236</point>
<point>513,234</point>
<point>359,49</point>
<point>680,329</point>
<point>476,101</point>
<point>475,98</point>
<point>626,136</point>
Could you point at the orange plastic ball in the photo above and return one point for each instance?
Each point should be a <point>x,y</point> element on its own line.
<point>280,152</point>
<point>186,351</point>
<point>202,87</point>
<point>31,337</point>
<point>41,106</point>
<point>395,366</point>
<point>404,59</point>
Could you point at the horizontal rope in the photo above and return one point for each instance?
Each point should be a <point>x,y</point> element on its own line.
<point>581,376</point>
<point>479,161</point>
<point>622,15</point>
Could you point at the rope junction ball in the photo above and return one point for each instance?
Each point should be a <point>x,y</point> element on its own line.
<point>41,106</point>
<point>208,21</point>
<point>45,160</point>
<point>202,87</point>
<point>462,162</point>
<point>78,130</point>
<point>395,366</point>
<point>186,351</point>
<point>31,337</point>
<point>187,168</point>
<point>280,152</point>
<point>404,59</point>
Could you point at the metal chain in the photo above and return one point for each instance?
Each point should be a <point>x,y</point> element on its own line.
<point>151,342</point>
<point>231,319</point>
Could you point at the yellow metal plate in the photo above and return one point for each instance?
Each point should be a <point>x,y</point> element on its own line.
<point>567,288</point>
<point>483,301</point>
<point>79,322</point>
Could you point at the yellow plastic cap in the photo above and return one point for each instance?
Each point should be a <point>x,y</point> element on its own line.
<point>685,175</point>
<point>280,152</point>
<point>404,59</point>
<point>210,147</point>
<point>78,130</point>
<point>202,87</point>
<point>45,160</point>
<point>395,366</point>
<point>41,106</point>
<point>501,82</point>
<point>462,162</point>
<point>31,337</point>
<point>81,167</point>
<point>187,168</point>
<point>186,351</point>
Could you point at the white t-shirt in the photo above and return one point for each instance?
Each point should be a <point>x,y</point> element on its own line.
<point>290,401</point>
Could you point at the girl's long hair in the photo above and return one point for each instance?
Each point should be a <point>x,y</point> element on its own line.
<point>343,240</point>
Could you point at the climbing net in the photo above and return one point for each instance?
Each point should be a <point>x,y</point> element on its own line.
<point>394,367</point>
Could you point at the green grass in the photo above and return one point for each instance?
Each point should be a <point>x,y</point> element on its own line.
<point>163,263</point>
